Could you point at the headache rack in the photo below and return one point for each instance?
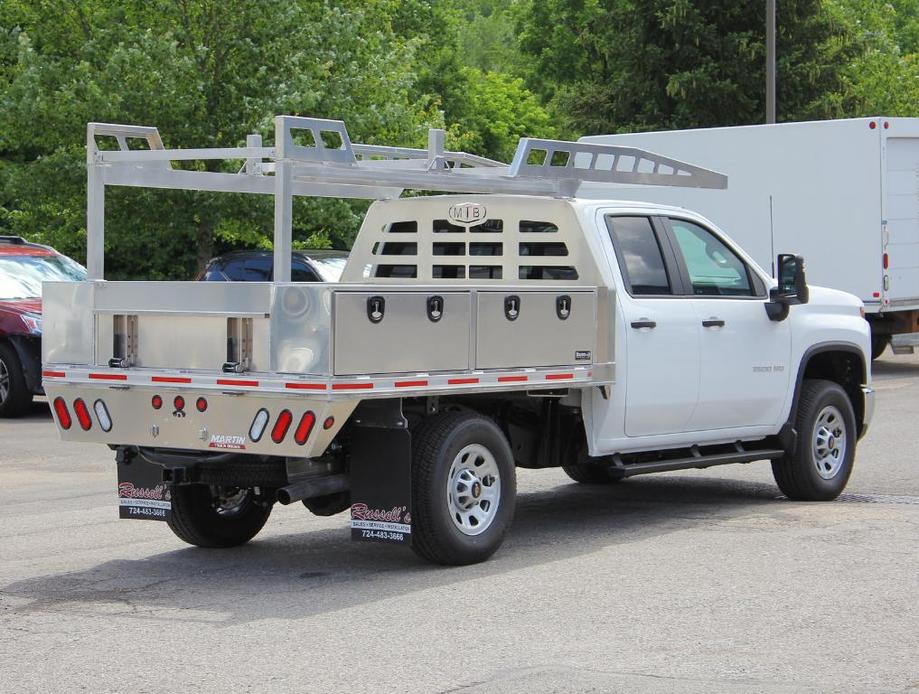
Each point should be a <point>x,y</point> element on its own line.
<point>315,157</point>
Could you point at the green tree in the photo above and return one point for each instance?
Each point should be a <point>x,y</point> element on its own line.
<point>883,78</point>
<point>485,110</point>
<point>620,65</point>
<point>206,73</point>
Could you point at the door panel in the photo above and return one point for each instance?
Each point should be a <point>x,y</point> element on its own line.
<point>662,385</point>
<point>743,355</point>
<point>744,365</point>
<point>660,330</point>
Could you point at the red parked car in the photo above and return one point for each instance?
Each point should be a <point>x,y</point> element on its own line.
<point>23,267</point>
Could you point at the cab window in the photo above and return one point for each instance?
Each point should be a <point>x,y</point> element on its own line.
<point>639,255</point>
<point>714,269</point>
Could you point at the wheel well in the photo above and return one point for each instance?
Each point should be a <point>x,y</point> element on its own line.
<point>847,368</point>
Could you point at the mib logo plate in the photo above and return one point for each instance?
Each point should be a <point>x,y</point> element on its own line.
<point>582,355</point>
<point>467,213</point>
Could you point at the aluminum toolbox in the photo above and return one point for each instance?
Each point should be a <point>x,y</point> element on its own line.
<point>400,336</point>
<point>550,328</point>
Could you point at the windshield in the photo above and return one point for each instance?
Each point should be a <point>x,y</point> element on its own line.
<point>330,268</point>
<point>21,275</point>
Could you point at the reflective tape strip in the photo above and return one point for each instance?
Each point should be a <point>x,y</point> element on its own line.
<point>352,386</point>
<point>236,382</point>
<point>508,378</point>
<point>306,386</point>
<point>108,377</point>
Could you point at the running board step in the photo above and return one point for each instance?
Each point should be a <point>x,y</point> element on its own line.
<point>620,468</point>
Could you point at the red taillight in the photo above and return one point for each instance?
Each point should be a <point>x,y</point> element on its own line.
<point>201,404</point>
<point>82,412</point>
<point>281,426</point>
<point>63,415</point>
<point>157,402</point>
<point>179,402</point>
<point>305,427</point>
<point>328,423</point>
<point>886,261</point>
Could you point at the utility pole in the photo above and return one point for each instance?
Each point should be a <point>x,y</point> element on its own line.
<point>770,61</point>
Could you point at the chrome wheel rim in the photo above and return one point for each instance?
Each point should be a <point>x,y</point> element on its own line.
<point>4,382</point>
<point>829,442</point>
<point>230,501</point>
<point>473,489</point>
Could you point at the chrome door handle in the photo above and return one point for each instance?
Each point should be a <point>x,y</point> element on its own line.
<point>713,323</point>
<point>639,324</point>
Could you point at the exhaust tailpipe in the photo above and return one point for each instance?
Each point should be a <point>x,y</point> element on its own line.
<point>316,486</point>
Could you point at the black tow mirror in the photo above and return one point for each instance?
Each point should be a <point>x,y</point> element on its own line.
<point>791,289</point>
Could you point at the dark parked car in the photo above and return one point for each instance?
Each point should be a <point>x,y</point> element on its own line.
<point>23,267</point>
<point>258,266</point>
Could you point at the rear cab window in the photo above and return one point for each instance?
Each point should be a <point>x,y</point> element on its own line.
<point>641,259</point>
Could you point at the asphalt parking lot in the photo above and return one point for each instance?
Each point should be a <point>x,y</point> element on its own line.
<point>690,582</point>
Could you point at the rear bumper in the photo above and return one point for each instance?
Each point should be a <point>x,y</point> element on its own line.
<point>292,425</point>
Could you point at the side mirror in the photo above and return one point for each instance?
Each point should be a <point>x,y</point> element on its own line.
<point>792,282</point>
<point>792,287</point>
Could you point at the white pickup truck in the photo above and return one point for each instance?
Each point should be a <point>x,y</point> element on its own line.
<point>512,325</point>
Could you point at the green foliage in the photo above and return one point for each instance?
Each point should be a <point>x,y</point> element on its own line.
<point>206,74</point>
<point>621,65</point>
<point>883,79</point>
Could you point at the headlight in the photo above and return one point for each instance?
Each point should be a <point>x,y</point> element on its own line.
<point>32,322</point>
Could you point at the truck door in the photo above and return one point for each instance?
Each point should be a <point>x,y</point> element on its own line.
<point>661,330</point>
<point>744,355</point>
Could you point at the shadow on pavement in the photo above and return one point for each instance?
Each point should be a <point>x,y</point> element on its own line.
<point>891,366</point>
<point>302,574</point>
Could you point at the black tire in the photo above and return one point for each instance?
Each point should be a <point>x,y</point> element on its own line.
<point>15,396</point>
<point>879,343</point>
<point>196,520</point>
<point>797,474</point>
<point>436,443</point>
<point>591,473</point>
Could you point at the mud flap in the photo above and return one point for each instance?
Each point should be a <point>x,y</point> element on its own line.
<point>142,494</point>
<point>381,474</point>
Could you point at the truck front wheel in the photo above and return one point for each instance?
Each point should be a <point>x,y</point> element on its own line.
<point>209,516</point>
<point>463,488</point>
<point>819,466</point>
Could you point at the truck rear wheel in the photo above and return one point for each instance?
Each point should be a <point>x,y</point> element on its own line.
<point>209,516</point>
<point>590,473</point>
<point>463,488</point>
<point>819,467</point>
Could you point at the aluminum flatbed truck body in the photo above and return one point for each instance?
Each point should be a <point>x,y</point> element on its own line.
<point>509,324</point>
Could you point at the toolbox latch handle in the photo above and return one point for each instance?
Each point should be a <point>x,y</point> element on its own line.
<point>512,307</point>
<point>563,306</point>
<point>376,308</point>
<point>435,308</point>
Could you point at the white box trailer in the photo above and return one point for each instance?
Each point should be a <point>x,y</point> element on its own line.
<point>842,193</point>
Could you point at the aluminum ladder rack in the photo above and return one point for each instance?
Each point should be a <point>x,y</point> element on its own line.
<point>315,157</point>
